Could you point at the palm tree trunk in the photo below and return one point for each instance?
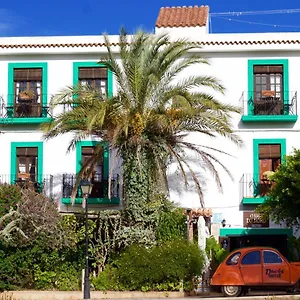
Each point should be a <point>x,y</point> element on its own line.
<point>137,183</point>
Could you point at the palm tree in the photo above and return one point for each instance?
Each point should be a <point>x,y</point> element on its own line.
<point>157,104</point>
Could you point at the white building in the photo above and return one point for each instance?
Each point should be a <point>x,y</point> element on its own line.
<point>259,71</point>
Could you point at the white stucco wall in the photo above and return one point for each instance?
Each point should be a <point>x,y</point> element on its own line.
<point>228,62</point>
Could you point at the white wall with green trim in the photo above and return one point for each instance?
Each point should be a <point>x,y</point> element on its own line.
<point>228,63</point>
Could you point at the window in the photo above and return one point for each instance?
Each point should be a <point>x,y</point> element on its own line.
<point>268,81</point>
<point>268,154</point>
<point>99,184</point>
<point>252,258</point>
<point>269,158</point>
<point>268,94</point>
<point>27,163</point>
<point>94,77</point>
<point>271,257</point>
<point>86,155</point>
<point>27,91</point>
<point>233,259</point>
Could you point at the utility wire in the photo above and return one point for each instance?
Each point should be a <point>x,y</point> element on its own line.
<point>259,12</point>
<point>258,23</point>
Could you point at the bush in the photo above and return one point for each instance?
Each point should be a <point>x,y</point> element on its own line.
<point>10,196</point>
<point>171,225</point>
<point>37,267</point>
<point>160,268</point>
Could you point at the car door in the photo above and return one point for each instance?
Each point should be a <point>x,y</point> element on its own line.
<point>251,268</point>
<point>276,271</point>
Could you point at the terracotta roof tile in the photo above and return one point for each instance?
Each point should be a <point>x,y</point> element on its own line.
<point>201,43</point>
<point>182,16</point>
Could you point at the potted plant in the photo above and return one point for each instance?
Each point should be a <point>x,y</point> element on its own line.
<point>27,95</point>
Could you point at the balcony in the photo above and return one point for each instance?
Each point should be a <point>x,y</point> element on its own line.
<point>267,107</point>
<point>23,112</point>
<point>99,194</point>
<point>42,184</point>
<point>254,190</point>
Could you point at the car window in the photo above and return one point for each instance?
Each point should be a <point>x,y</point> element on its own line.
<point>251,258</point>
<point>233,259</point>
<point>271,257</point>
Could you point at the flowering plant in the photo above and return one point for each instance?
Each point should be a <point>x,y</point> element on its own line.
<point>268,174</point>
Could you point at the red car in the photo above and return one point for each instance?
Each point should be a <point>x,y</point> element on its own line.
<point>255,267</point>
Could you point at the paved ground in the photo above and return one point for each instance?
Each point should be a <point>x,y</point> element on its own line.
<point>217,296</point>
<point>254,295</point>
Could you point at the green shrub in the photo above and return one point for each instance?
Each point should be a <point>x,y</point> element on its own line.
<point>171,225</point>
<point>160,268</point>
<point>68,277</point>
<point>10,196</point>
<point>106,280</point>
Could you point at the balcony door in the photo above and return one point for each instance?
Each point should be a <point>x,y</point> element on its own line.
<point>95,77</point>
<point>269,160</point>
<point>28,92</point>
<point>27,163</point>
<point>268,90</point>
<point>97,174</point>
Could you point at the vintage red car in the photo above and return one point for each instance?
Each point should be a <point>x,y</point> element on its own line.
<point>258,267</point>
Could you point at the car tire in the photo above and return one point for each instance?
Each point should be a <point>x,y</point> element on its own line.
<point>294,289</point>
<point>231,290</point>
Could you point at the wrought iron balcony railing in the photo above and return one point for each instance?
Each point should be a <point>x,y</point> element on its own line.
<point>99,190</point>
<point>252,186</point>
<point>253,103</point>
<point>40,183</point>
<point>23,109</point>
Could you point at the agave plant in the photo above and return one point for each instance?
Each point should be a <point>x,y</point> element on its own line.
<point>157,104</point>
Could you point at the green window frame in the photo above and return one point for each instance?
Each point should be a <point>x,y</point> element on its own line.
<point>13,159</point>
<point>10,90</point>
<point>93,64</point>
<point>250,117</point>
<point>81,144</point>
<point>256,143</point>
<point>105,145</point>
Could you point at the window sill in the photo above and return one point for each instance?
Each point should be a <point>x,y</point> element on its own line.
<point>12,121</point>
<point>270,118</point>
<point>93,201</point>
<point>257,200</point>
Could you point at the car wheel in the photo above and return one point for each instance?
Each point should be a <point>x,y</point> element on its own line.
<point>294,289</point>
<point>231,290</point>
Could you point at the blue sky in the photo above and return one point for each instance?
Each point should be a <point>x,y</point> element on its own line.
<point>93,17</point>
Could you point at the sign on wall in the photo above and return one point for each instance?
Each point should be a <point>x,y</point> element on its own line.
<point>217,217</point>
<point>254,220</point>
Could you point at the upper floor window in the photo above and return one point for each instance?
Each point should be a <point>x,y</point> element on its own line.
<point>268,89</point>
<point>28,92</point>
<point>268,81</point>
<point>96,77</point>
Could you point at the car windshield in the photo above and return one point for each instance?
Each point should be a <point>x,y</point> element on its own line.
<point>233,259</point>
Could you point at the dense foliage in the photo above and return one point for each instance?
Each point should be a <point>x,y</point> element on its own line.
<point>37,267</point>
<point>49,254</point>
<point>162,267</point>
<point>283,201</point>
